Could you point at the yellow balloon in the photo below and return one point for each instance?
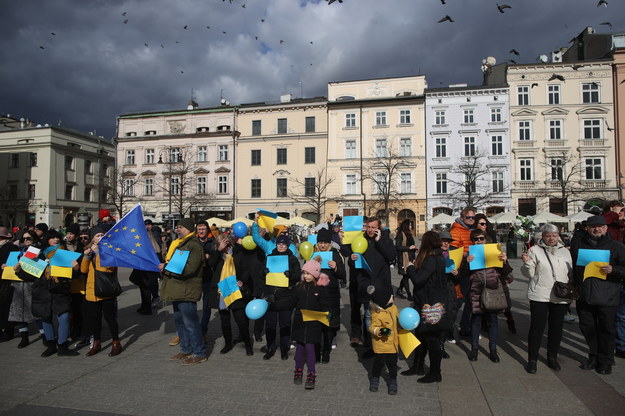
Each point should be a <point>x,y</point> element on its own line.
<point>248,242</point>
<point>359,245</point>
<point>306,250</point>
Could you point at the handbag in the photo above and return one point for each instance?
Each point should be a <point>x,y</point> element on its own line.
<point>106,284</point>
<point>564,290</point>
<point>438,295</point>
<point>493,299</point>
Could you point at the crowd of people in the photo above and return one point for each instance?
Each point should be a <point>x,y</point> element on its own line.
<point>440,290</point>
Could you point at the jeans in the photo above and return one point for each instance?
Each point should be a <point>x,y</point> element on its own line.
<point>63,331</point>
<point>206,309</point>
<point>541,312</point>
<point>188,328</point>
<point>493,330</point>
<point>620,323</point>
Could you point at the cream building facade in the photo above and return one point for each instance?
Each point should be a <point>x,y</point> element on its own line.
<point>178,163</point>
<point>376,149</point>
<point>281,157</point>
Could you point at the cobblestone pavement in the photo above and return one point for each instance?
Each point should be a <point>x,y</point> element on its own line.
<point>142,381</point>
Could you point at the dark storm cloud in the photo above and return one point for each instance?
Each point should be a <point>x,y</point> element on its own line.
<point>96,66</point>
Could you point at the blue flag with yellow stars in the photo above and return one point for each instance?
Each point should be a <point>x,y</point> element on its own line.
<point>127,244</point>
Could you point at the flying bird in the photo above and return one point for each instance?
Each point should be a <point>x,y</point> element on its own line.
<point>332,1</point>
<point>605,3</point>
<point>243,5</point>
<point>281,41</point>
<point>223,32</point>
<point>182,72</point>
<point>41,47</point>
<point>185,27</point>
<point>442,1</point>
<point>512,61</point>
<point>556,76</point>
<point>124,14</point>
<point>262,20</point>
<point>256,37</point>
<point>146,44</point>
<point>311,42</point>
<point>514,51</point>
<point>606,24</point>
<point>502,7</point>
<point>447,18</point>
<point>535,84</point>
<point>126,21</point>
<point>53,34</point>
<point>162,46</point>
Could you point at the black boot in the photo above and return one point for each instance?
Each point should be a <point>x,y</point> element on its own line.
<point>24,342</point>
<point>226,349</point>
<point>431,378</point>
<point>63,350</point>
<point>552,362</point>
<point>589,364</point>
<point>50,350</point>
<point>248,348</point>
<point>325,355</point>
<point>417,368</point>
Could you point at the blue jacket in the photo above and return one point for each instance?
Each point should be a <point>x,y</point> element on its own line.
<point>267,246</point>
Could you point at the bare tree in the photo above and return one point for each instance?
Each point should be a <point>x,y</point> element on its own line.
<point>121,188</point>
<point>469,181</point>
<point>313,193</point>
<point>12,207</point>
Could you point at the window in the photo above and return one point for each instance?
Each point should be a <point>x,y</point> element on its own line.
<point>594,168</point>
<point>590,93</point>
<point>201,184</point>
<point>497,181</point>
<point>33,159</point>
<point>69,163</point>
<point>309,155</point>
<point>350,149</point>
<point>380,183</point>
<point>555,166</point>
<point>553,94</point>
<point>255,188</point>
<point>256,157</point>
<point>281,156</point>
<point>130,157</point>
<point>223,152</point>
<point>87,196</point>
<point>495,115</point>
<point>469,146</point>
<point>523,95</point>
<point>69,191</point>
<point>380,148</point>
<point>310,124</point>
<point>404,117</point>
<point>256,127</point>
<point>281,125</point>
<point>175,155</point>
<point>88,166</point>
<point>441,147</point>
<point>350,184</point>
<point>149,187</point>
<point>555,129</point>
<point>525,166</point>
<point>592,129</point>
<point>380,118</point>
<point>129,187</point>
<point>496,145</point>
<point>441,183</point>
<point>440,118</point>
<point>405,183</point>
<point>202,153</point>
<point>525,132</point>
<point>527,206</point>
<point>350,120</point>
<point>281,187</point>
<point>174,186</point>
<point>31,191</point>
<point>15,160</point>
<point>468,116</point>
<point>222,184</point>
<point>469,183</point>
<point>405,147</point>
<point>309,187</point>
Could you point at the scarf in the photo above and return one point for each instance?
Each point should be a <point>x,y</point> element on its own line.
<point>174,245</point>
<point>405,255</point>
<point>228,270</point>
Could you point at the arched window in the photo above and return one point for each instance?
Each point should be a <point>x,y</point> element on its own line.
<point>407,214</point>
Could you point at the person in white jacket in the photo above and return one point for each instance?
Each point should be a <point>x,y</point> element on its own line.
<point>544,264</point>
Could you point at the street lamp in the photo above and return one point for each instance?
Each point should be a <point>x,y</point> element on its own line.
<point>169,163</point>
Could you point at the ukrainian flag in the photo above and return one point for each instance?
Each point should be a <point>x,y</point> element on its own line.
<point>229,290</point>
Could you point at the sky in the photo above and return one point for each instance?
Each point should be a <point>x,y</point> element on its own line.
<point>80,64</point>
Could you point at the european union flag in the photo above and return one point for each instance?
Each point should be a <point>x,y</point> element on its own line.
<point>127,244</point>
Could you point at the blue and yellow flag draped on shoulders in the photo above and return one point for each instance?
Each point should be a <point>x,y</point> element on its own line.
<point>127,244</point>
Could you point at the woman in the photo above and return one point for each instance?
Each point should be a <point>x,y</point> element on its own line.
<point>489,277</point>
<point>405,246</point>
<point>482,223</point>
<point>432,288</point>
<point>97,307</point>
<point>544,264</point>
<point>228,252</point>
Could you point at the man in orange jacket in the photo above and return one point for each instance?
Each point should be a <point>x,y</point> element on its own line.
<point>461,229</point>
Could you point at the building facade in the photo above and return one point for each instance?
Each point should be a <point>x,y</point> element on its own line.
<point>467,149</point>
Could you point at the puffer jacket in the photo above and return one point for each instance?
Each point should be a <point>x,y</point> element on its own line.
<point>384,318</point>
<point>461,235</point>
<point>541,273</point>
<point>490,275</point>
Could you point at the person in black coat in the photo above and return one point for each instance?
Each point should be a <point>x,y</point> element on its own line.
<point>280,302</point>
<point>406,249</point>
<point>6,289</point>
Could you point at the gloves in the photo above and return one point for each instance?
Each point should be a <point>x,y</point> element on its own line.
<point>385,331</point>
<point>270,298</point>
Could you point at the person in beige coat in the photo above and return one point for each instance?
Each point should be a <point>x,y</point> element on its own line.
<point>544,264</point>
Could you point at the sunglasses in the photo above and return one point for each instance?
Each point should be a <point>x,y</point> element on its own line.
<point>469,218</point>
<point>84,238</point>
<point>479,239</point>
<point>28,238</point>
<point>481,223</point>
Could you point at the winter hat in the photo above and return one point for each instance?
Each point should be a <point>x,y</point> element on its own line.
<point>95,230</point>
<point>323,236</point>
<point>445,235</point>
<point>42,226</point>
<point>283,239</point>
<point>380,295</point>
<point>187,223</point>
<point>596,220</point>
<point>74,229</point>
<point>313,266</point>
<point>104,213</point>
<point>148,222</point>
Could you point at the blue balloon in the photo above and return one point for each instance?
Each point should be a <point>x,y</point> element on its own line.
<point>239,229</point>
<point>409,318</point>
<point>256,309</point>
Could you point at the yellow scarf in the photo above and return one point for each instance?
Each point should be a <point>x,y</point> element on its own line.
<point>174,245</point>
<point>228,269</point>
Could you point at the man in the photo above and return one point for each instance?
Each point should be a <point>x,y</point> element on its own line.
<point>461,229</point>
<point>204,236</point>
<point>599,295</point>
<point>40,230</point>
<point>379,255</point>
<point>185,290</point>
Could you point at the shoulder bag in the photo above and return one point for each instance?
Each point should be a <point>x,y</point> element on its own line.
<point>561,289</point>
<point>493,299</point>
<point>106,284</point>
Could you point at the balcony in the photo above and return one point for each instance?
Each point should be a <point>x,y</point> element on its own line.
<point>592,143</point>
<point>594,184</point>
<point>554,143</point>
<point>524,143</point>
<point>525,184</point>
<point>550,184</point>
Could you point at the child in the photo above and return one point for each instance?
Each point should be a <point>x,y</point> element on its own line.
<point>309,294</point>
<point>385,340</point>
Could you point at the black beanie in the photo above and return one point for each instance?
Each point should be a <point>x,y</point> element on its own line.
<point>42,226</point>
<point>187,223</point>
<point>324,236</point>
<point>95,230</point>
<point>74,229</point>
<point>380,295</point>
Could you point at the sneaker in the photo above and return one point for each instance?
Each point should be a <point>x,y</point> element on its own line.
<point>451,340</point>
<point>194,359</point>
<point>392,386</point>
<point>374,384</point>
<point>569,318</point>
<point>334,344</point>
<point>297,376</point>
<point>174,341</point>
<point>179,356</point>
<point>310,381</point>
